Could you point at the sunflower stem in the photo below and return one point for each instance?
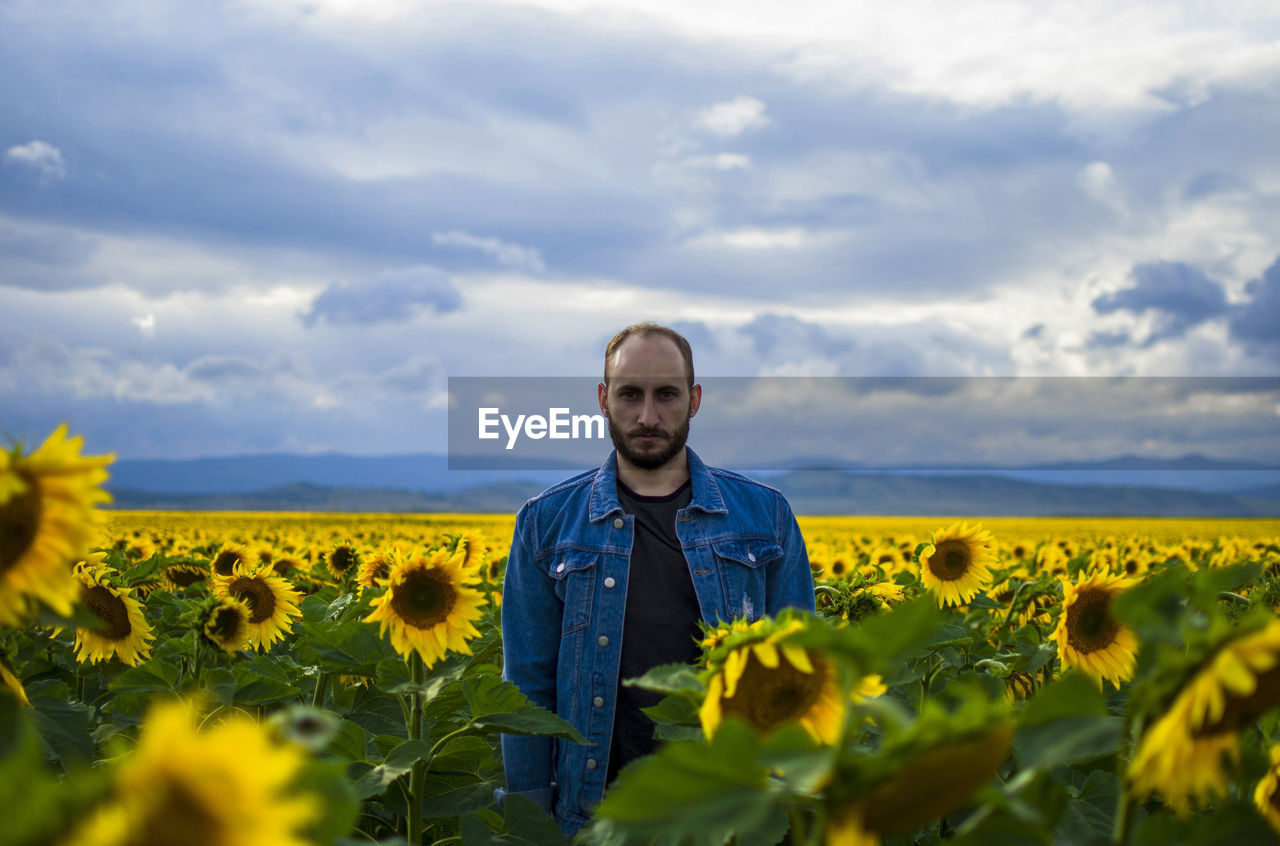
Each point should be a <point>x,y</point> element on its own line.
<point>417,777</point>
<point>798,831</point>
<point>1124,804</point>
<point>322,683</point>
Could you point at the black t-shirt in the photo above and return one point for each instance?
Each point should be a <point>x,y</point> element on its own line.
<point>661,622</point>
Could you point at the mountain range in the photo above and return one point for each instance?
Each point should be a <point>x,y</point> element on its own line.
<point>423,483</point>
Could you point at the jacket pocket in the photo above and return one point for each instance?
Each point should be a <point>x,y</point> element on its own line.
<point>742,575</point>
<point>574,573</point>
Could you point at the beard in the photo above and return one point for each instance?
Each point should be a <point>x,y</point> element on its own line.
<point>649,460</point>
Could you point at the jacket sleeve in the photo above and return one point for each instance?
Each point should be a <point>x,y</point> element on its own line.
<point>531,622</point>
<point>789,581</point>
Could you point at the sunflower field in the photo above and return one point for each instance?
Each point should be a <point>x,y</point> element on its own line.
<point>217,678</point>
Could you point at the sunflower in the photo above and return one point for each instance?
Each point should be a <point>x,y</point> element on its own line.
<point>1266,796</point>
<point>769,683</point>
<point>229,785</point>
<point>180,576</point>
<point>341,559</point>
<point>47,521</point>
<point>228,558</point>
<point>226,625</point>
<point>954,566</point>
<point>123,629</point>
<point>929,784</point>
<point>1089,636</point>
<point>429,606</point>
<point>9,680</point>
<point>272,602</point>
<point>1181,755</point>
<point>373,568</point>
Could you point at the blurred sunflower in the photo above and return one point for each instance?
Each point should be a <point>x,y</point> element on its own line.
<point>921,784</point>
<point>180,576</point>
<point>430,605</point>
<point>1019,686</point>
<point>377,566</point>
<point>10,681</point>
<point>770,682</point>
<point>1181,756</point>
<point>47,521</point>
<point>954,565</point>
<point>1266,796</point>
<point>272,602</point>
<point>229,785</point>
<point>123,629</point>
<point>226,624</point>
<point>1089,636</point>
<point>228,558</point>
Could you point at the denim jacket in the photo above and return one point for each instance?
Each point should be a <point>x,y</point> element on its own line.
<point>566,590</point>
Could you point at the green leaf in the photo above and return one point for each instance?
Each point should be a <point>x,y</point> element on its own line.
<point>679,679</point>
<point>1066,723</point>
<point>349,647</point>
<point>253,688</point>
<point>906,628</point>
<point>691,789</point>
<point>459,801</point>
<point>64,727</point>
<point>399,762</point>
<point>1074,695</point>
<point>499,705</point>
<point>340,802</point>
<point>1091,817</point>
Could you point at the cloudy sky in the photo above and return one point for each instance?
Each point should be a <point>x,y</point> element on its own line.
<point>277,225</point>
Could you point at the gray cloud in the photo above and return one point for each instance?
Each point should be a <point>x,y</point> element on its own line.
<point>780,336</point>
<point>1257,322</point>
<point>391,296</point>
<point>1180,296</point>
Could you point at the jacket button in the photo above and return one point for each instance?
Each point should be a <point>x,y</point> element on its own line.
<point>751,556</point>
<point>598,702</point>
<point>618,522</point>
<point>602,640</point>
<point>560,569</point>
<point>609,582</point>
<point>591,763</point>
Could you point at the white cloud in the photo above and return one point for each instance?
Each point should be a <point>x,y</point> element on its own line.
<point>734,117</point>
<point>755,238</point>
<point>1098,180</point>
<point>722,161</point>
<point>506,254</point>
<point>146,324</point>
<point>40,155</point>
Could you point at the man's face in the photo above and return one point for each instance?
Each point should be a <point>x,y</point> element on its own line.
<point>648,403</point>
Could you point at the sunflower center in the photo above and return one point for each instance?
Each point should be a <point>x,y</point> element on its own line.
<point>1242,711</point>
<point>225,623</point>
<point>19,521</point>
<point>1090,626</point>
<point>342,559</point>
<point>179,818</point>
<point>424,599</point>
<point>185,576</point>
<point>110,609</point>
<point>225,563</point>
<point>950,561</point>
<point>768,698</point>
<point>257,595</point>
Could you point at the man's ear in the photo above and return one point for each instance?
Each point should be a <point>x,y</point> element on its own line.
<point>602,394</point>
<point>695,400</point>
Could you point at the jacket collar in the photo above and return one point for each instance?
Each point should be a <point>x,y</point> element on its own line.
<point>604,490</point>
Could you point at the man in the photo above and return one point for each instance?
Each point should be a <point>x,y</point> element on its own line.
<point>611,570</point>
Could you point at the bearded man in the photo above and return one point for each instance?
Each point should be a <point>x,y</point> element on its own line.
<point>611,571</point>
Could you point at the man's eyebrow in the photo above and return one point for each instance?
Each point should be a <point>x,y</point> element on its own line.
<point>676,382</point>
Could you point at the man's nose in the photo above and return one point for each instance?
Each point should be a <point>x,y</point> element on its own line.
<point>648,412</point>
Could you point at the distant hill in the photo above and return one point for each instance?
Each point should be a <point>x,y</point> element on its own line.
<point>429,472</point>
<point>810,492</point>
